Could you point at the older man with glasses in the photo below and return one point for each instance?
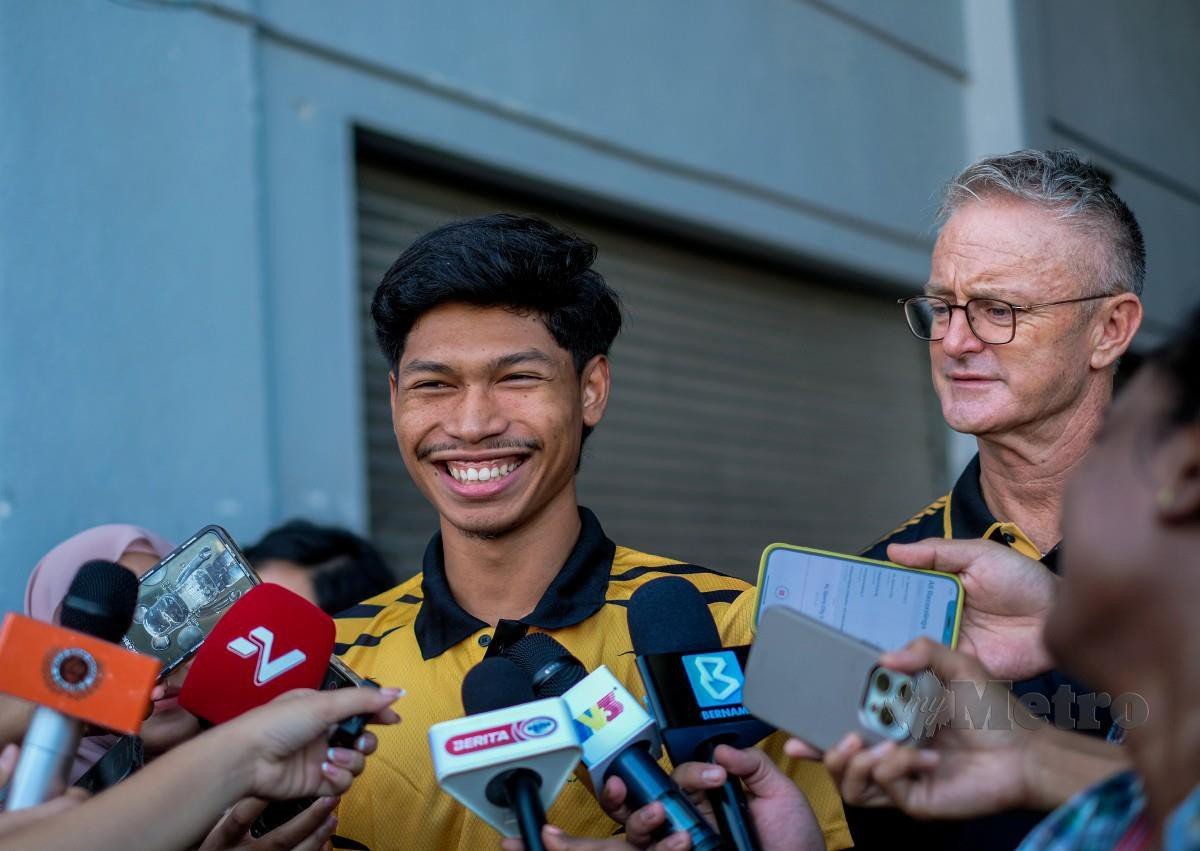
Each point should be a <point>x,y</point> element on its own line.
<point>1033,297</point>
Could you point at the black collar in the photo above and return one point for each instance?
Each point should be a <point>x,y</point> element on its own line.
<point>971,518</point>
<point>576,593</point>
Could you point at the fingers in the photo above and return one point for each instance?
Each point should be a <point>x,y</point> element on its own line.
<point>762,777</point>
<point>945,554</point>
<point>305,832</point>
<point>234,825</point>
<point>15,820</point>
<point>352,760</point>
<point>339,704</point>
<point>8,763</point>
<point>612,800</point>
<point>797,749</point>
<point>641,826</point>
<point>698,776</point>
<point>556,840</point>
<point>946,663</point>
<point>337,779</point>
<point>366,743</point>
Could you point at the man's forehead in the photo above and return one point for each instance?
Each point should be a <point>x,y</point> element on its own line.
<point>467,335</point>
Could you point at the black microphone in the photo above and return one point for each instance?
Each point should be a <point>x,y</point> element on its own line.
<point>99,603</point>
<point>497,683</point>
<point>617,735</point>
<point>694,688</point>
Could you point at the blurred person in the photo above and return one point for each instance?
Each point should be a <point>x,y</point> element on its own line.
<point>330,567</point>
<point>496,332</point>
<point>277,751</point>
<point>1033,297</point>
<point>1124,619</point>
<point>138,550</point>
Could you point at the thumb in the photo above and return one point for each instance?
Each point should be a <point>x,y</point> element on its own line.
<point>753,766</point>
<point>944,554</point>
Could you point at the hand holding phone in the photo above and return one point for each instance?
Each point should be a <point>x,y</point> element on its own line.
<point>819,684</point>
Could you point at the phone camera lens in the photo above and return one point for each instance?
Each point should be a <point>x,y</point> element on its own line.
<point>905,692</point>
<point>882,681</point>
<point>886,717</point>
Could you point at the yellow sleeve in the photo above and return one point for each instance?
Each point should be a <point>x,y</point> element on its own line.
<point>811,776</point>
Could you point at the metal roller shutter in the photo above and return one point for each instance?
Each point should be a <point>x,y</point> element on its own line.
<point>748,406</point>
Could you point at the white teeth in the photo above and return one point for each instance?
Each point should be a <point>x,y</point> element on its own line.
<point>481,474</point>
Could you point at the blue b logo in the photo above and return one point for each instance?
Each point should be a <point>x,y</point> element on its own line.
<point>716,678</point>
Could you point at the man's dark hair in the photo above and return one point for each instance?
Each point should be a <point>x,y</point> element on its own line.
<point>346,569</point>
<point>503,260</point>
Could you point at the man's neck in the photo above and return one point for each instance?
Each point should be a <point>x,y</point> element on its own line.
<point>1023,474</point>
<point>505,577</point>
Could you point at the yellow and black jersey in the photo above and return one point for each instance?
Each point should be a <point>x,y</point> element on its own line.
<point>417,637</point>
<point>962,513</point>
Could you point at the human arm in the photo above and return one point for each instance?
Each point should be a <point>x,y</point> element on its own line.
<point>277,751</point>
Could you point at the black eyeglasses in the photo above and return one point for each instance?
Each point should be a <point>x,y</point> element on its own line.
<point>991,320</point>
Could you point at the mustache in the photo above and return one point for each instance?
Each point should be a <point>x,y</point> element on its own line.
<point>530,444</point>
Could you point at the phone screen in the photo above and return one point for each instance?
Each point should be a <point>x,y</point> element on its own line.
<point>181,599</point>
<point>884,605</point>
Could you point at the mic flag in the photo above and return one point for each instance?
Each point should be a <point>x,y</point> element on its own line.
<point>75,674</point>
<point>269,642</point>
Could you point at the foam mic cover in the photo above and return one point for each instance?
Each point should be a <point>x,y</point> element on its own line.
<point>617,735</point>
<point>694,685</point>
<point>495,683</point>
<point>669,615</point>
<point>269,642</point>
<point>100,601</point>
<point>550,667</point>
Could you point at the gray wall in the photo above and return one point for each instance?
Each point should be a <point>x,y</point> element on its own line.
<point>177,270</point>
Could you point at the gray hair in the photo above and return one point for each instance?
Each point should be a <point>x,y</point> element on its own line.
<point>1077,192</point>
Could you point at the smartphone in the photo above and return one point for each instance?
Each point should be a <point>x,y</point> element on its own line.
<point>819,684</point>
<point>185,594</point>
<point>879,602</point>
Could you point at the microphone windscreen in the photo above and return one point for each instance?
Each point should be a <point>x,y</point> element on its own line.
<point>495,683</point>
<point>669,615</point>
<point>101,600</point>
<point>551,668</point>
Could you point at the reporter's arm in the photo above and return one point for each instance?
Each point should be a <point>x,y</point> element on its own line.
<point>275,751</point>
<point>1060,764</point>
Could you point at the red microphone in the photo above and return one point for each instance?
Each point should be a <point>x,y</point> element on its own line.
<point>269,642</point>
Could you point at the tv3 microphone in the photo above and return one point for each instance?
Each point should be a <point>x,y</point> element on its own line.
<point>508,759</point>
<point>76,674</point>
<point>619,737</point>
<point>694,688</point>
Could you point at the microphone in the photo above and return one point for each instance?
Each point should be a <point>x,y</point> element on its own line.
<point>694,688</point>
<point>76,674</point>
<point>618,736</point>
<point>507,760</point>
<point>269,642</point>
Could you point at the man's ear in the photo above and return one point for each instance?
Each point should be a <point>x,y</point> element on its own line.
<point>392,388</point>
<point>1179,495</point>
<point>1120,317</point>
<point>594,385</point>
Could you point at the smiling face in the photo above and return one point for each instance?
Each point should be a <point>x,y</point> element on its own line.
<point>1014,251</point>
<point>489,412</point>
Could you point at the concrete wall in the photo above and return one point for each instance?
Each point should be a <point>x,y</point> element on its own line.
<point>177,268</point>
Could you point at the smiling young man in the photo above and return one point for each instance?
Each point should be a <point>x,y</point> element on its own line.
<point>497,332</point>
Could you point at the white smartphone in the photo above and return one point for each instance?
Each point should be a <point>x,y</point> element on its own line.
<point>881,603</point>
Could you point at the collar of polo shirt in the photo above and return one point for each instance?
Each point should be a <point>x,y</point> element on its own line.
<point>967,516</point>
<point>576,593</point>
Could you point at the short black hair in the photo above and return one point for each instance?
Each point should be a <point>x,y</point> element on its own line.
<point>503,260</point>
<point>1179,361</point>
<point>346,569</point>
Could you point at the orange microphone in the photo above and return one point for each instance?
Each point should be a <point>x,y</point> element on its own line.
<point>75,676</point>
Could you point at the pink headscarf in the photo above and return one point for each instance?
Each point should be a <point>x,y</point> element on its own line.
<point>52,577</point>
